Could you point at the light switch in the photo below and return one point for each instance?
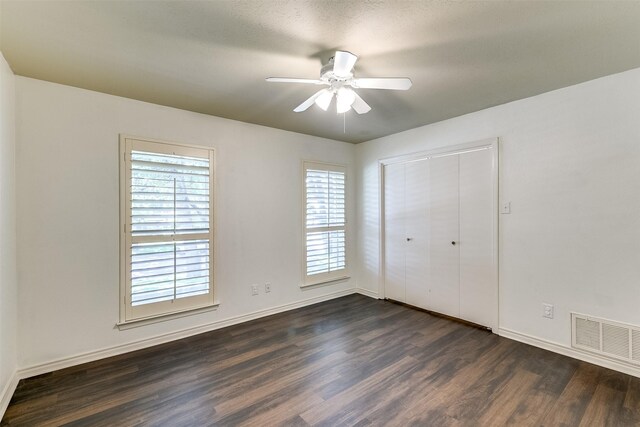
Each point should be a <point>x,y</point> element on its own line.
<point>505,208</point>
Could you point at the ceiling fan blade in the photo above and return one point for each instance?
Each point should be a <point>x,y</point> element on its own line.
<point>392,83</point>
<point>309,102</point>
<point>343,63</point>
<point>360,106</point>
<point>292,80</point>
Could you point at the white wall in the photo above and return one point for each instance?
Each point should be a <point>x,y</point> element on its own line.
<point>8,281</point>
<point>570,165</point>
<point>67,171</point>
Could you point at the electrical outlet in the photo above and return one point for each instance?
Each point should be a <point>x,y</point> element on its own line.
<point>547,310</point>
<point>254,290</point>
<point>267,288</point>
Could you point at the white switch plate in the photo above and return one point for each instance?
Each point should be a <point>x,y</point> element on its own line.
<point>254,290</point>
<point>547,310</point>
<point>505,208</point>
<point>267,288</point>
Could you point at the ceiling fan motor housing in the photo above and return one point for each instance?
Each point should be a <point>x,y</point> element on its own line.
<point>326,73</point>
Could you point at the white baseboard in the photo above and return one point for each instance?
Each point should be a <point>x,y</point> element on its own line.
<point>66,362</point>
<point>571,352</point>
<point>367,292</point>
<point>7,393</point>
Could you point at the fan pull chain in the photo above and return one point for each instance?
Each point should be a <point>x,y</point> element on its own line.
<point>344,122</point>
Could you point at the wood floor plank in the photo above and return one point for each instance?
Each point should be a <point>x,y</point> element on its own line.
<point>570,407</point>
<point>502,404</point>
<point>334,410</point>
<point>553,378</point>
<point>321,368</point>
<point>631,406</point>
<point>352,361</point>
<point>604,409</point>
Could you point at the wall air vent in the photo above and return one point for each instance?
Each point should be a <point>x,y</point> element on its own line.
<point>587,333</point>
<point>635,345</point>
<point>605,337</point>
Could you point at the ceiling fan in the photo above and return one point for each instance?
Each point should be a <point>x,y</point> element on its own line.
<point>338,75</point>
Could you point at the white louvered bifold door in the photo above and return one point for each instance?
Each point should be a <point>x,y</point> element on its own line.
<point>440,232</point>
<point>325,222</point>
<point>395,243</point>
<point>168,228</point>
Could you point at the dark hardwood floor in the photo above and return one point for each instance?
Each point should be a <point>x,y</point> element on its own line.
<point>349,361</point>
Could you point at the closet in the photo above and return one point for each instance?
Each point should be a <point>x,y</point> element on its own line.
<point>440,232</point>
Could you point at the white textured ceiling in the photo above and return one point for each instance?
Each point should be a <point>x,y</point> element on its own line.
<point>212,56</point>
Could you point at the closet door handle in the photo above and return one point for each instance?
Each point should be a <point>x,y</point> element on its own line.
<point>409,239</point>
<point>453,243</point>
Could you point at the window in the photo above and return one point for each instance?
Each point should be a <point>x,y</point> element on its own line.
<point>324,222</point>
<point>167,224</point>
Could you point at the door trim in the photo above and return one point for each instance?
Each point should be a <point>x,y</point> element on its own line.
<point>484,144</point>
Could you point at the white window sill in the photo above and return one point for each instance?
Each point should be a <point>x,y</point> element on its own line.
<point>129,324</point>
<point>325,282</point>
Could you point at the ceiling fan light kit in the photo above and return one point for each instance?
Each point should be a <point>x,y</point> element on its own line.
<point>338,75</point>
<point>345,97</point>
<point>324,99</point>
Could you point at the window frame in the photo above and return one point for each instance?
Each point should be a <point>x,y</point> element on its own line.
<point>164,309</point>
<point>336,275</point>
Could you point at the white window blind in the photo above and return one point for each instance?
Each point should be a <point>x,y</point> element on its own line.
<point>325,222</point>
<point>168,192</point>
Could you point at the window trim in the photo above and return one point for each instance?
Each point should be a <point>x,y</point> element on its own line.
<point>338,275</point>
<point>182,308</point>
